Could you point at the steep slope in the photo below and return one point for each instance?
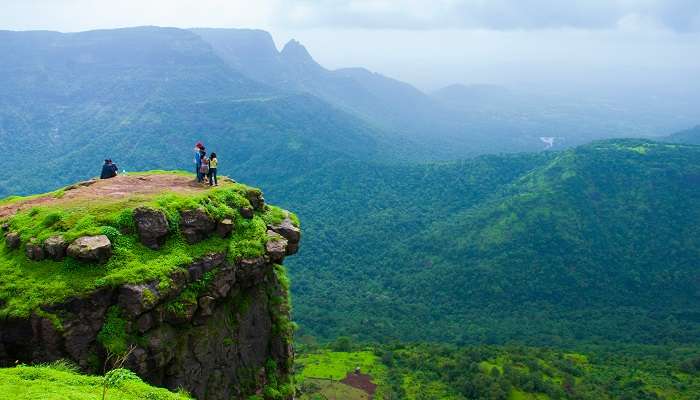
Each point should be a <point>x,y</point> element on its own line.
<point>542,248</point>
<point>139,94</point>
<point>688,136</point>
<point>184,282</point>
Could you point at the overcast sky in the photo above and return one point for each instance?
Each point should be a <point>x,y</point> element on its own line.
<point>431,43</point>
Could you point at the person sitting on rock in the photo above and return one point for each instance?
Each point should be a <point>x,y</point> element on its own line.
<point>109,170</point>
<point>213,164</point>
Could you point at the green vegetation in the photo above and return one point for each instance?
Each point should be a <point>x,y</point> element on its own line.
<point>29,284</point>
<point>337,364</point>
<point>428,371</point>
<point>60,381</point>
<point>113,335</point>
<point>543,249</point>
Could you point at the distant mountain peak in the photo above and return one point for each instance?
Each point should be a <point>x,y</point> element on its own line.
<point>296,52</point>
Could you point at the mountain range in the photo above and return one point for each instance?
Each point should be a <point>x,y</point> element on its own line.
<point>400,241</point>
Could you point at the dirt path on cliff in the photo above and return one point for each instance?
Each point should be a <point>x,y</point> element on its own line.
<point>115,188</point>
<point>362,382</point>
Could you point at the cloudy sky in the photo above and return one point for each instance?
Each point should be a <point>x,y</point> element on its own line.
<point>583,44</point>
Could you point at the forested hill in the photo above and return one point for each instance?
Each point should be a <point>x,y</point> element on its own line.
<point>540,248</point>
<point>688,136</point>
<point>143,97</point>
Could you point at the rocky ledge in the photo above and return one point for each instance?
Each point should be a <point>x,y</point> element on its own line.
<point>218,326</point>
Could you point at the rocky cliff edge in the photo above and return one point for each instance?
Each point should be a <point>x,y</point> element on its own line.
<point>186,280</point>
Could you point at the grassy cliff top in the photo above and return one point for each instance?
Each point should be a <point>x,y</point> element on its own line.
<point>60,381</point>
<point>105,207</point>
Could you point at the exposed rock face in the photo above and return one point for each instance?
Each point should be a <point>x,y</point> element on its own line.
<point>224,227</point>
<point>290,232</point>
<point>196,225</point>
<point>152,226</point>
<point>256,199</point>
<point>95,249</point>
<point>55,248</point>
<point>34,250</point>
<point>247,212</point>
<point>215,346</point>
<point>12,240</point>
<point>276,246</point>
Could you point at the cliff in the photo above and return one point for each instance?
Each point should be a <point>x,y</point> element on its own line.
<point>186,281</point>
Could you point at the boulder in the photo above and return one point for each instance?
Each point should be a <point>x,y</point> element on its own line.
<point>12,240</point>
<point>152,226</point>
<point>247,212</point>
<point>256,199</point>
<point>224,227</point>
<point>94,249</point>
<point>55,248</point>
<point>136,299</point>
<point>34,250</point>
<point>196,225</point>
<point>5,227</point>
<point>276,246</point>
<point>289,232</point>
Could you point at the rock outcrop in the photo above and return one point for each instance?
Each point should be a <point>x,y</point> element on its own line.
<point>55,248</point>
<point>91,249</point>
<point>215,341</point>
<point>152,226</point>
<point>196,225</point>
<point>212,318</point>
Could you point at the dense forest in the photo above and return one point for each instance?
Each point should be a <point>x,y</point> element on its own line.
<point>539,248</point>
<point>439,371</point>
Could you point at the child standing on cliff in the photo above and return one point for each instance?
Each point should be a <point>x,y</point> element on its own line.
<point>213,164</point>
<point>204,169</point>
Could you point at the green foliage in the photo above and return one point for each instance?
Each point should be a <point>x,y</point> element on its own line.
<point>30,284</point>
<point>552,248</point>
<point>113,335</point>
<point>190,294</point>
<point>59,381</point>
<point>431,371</point>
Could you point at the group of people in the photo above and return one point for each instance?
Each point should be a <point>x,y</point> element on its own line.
<point>109,170</point>
<point>205,166</point>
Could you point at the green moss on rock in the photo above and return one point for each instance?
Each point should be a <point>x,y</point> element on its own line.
<point>29,284</point>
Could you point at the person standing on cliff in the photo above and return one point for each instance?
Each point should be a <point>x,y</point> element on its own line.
<point>213,164</point>
<point>198,149</point>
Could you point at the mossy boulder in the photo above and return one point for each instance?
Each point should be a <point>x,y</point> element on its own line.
<point>55,248</point>
<point>152,226</point>
<point>12,240</point>
<point>196,225</point>
<point>91,249</point>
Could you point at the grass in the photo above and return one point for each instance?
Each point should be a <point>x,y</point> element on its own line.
<point>28,284</point>
<point>59,381</point>
<point>321,389</point>
<point>335,365</point>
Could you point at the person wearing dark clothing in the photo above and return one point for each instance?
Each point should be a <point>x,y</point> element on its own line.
<point>109,170</point>
<point>213,164</point>
<point>115,168</point>
<point>198,149</point>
